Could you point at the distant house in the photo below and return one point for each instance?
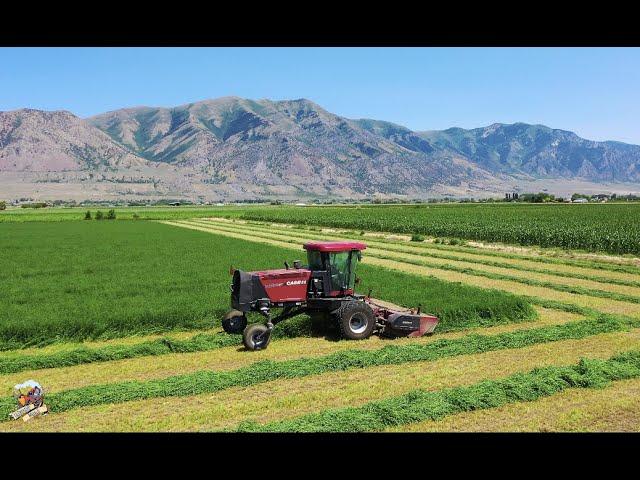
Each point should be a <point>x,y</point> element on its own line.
<point>580,200</point>
<point>301,204</point>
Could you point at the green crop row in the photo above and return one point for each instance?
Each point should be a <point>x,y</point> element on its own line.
<point>548,259</point>
<point>527,281</point>
<point>610,228</point>
<point>60,214</point>
<point>421,405</point>
<point>481,273</point>
<point>427,252</point>
<point>451,319</point>
<point>264,371</point>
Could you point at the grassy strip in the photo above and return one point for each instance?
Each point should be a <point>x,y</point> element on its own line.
<point>419,405</point>
<point>527,281</point>
<point>610,409</point>
<point>565,307</point>
<point>295,327</point>
<point>592,264</point>
<point>495,276</point>
<point>114,279</point>
<point>265,371</point>
<point>59,214</point>
<point>427,252</point>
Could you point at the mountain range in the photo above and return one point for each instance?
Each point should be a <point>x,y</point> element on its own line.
<point>233,148</point>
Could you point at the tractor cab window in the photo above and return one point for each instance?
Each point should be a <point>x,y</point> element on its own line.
<point>340,266</point>
<point>314,258</point>
<point>355,258</point>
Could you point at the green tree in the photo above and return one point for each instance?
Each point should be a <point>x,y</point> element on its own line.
<point>87,216</point>
<point>111,215</point>
<point>3,205</point>
<point>575,196</point>
<point>99,215</point>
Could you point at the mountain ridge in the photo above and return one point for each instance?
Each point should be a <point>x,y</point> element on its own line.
<point>296,147</point>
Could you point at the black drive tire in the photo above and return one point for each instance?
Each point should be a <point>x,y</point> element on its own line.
<point>355,320</point>
<point>319,321</point>
<point>256,337</point>
<point>234,321</point>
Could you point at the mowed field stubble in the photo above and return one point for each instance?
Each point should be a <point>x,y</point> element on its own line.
<point>124,315</point>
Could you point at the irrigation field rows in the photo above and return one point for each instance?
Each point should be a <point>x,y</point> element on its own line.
<point>462,380</point>
<point>523,282</point>
<point>232,357</point>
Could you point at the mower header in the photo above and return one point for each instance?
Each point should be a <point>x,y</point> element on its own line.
<point>334,246</point>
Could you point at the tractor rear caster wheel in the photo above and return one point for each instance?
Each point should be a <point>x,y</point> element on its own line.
<point>256,336</point>
<point>356,320</point>
<point>234,321</point>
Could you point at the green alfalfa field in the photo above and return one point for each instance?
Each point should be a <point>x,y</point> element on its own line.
<point>117,315</point>
<point>97,280</point>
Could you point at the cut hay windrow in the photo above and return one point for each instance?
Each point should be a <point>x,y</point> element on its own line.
<point>471,271</point>
<point>322,342</point>
<point>510,278</point>
<point>591,264</point>
<point>234,357</point>
<point>295,327</point>
<point>610,409</point>
<point>425,251</point>
<point>420,405</point>
<point>265,371</point>
<point>456,278</point>
<point>562,306</point>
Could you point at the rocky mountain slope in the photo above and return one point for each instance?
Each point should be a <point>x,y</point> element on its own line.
<point>233,147</point>
<point>34,140</point>
<point>294,142</point>
<point>541,151</point>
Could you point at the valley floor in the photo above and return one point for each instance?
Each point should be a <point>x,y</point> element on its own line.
<point>574,367</point>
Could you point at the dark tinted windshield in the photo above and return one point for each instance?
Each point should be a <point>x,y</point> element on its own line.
<point>314,258</point>
<point>340,269</point>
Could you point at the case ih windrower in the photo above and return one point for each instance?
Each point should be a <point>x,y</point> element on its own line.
<point>324,289</point>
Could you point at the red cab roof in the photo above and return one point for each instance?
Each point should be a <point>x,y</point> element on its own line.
<point>334,246</point>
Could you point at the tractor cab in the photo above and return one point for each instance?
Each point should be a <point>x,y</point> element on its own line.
<point>333,267</point>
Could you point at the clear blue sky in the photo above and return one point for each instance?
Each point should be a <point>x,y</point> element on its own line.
<point>594,92</point>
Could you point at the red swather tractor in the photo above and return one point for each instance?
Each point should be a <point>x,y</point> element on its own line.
<point>323,289</point>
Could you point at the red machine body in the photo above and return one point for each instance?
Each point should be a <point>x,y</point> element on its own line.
<point>285,285</point>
